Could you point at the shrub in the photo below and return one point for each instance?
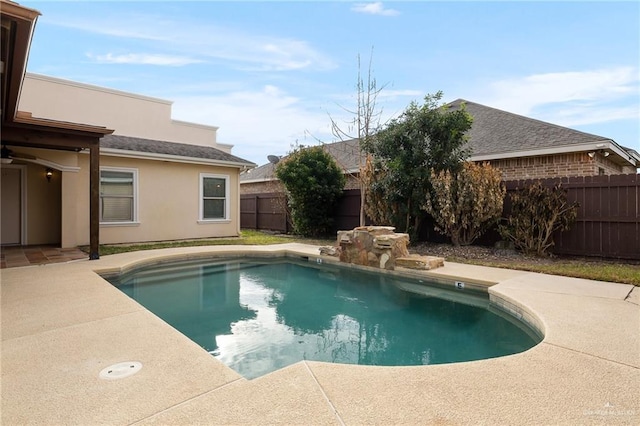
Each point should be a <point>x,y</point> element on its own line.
<point>423,137</point>
<point>537,212</point>
<point>465,204</point>
<point>313,182</point>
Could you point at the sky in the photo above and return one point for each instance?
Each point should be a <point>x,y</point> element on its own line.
<point>273,74</point>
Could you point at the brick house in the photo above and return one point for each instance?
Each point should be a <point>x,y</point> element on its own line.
<point>525,148</point>
<point>520,147</point>
<point>263,179</point>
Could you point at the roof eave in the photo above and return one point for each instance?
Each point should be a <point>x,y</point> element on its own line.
<point>258,180</point>
<point>607,145</point>
<point>25,118</point>
<point>113,152</point>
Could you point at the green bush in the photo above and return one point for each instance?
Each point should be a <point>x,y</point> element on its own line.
<point>537,212</point>
<point>397,181</point>
<point>465,204</point>
<point>314,183</point>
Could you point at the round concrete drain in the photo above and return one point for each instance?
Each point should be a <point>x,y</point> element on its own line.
<point>120,370</point>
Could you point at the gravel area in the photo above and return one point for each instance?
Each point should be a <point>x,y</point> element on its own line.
<point>451,252</point>
<point>491,254</point>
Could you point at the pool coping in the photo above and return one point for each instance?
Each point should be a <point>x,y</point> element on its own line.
<point>62,324</point>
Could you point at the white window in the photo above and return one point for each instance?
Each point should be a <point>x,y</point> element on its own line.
<point>214,197</point>
<point>118,195</point>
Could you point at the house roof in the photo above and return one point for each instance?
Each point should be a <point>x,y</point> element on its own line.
<point>346,154</point>
<point>494,134</point>
<point>497,132</point>
<point>20,127</point>
<point>182,152</point>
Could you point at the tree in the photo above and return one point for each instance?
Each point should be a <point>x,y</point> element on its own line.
<point>465,204</point>
<point>424,138</point>
<point>365,121</point>
<point>313,182</point>
<point>536,213</point>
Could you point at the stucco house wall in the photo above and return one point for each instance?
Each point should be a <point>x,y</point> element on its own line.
<point>168,197</point>
<point>46,203</point>
<point>128,114</point>
<point>167,157</point>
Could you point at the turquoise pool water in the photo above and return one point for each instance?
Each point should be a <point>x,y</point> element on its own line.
<point>257,315</point>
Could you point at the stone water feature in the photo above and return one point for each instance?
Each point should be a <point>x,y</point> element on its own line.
<point>379,247</point>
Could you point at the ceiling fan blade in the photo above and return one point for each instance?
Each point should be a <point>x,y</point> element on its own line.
<point>22,155</point>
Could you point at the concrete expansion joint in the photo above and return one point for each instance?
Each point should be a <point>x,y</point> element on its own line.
<point>590,296</point>
<point>70,326</point>
<point>626,299</point>
<point>635,367</point>
<point>186,401</point>
<point>326,397</point>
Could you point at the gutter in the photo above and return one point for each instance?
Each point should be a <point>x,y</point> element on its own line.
<point>112,152</point>
<point>604,145</point>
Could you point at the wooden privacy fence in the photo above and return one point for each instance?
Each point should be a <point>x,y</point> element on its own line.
<point>608,223</point>
<point>264,211</point>
<point>269,212</point>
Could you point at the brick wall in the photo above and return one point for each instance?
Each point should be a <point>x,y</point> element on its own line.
<point>539,167</point>
<point>559,165</point>
<point>261,187</point>
<point>352,182</point>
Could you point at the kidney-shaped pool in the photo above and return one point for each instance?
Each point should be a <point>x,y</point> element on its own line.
<point>259,315</point>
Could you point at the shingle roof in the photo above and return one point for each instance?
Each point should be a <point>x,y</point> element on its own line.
<point>499,132</point>
<point>129,143</point>
<point>346,154</point>
<point>260,173</point>
<point>493,132</point>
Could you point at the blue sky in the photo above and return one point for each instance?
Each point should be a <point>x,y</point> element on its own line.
<point>271,74</point>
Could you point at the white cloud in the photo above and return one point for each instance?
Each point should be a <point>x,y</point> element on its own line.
<point>143,59</point>
<point>257,123</point>
<point>393,94</point>
<point>376,8</point>
<point>242,49</point>
<point>570,98</point>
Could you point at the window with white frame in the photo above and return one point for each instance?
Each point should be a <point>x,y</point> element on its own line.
<point>118,195</point>
<point>214,197</point>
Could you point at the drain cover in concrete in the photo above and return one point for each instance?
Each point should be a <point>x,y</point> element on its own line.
<point>120,370</point>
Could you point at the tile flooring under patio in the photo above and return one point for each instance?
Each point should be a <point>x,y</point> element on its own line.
<point>14,256</point>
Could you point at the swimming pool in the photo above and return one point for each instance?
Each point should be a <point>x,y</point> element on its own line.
<point>258,315</point>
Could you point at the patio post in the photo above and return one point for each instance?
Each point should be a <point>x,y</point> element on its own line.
<point>94,201</point>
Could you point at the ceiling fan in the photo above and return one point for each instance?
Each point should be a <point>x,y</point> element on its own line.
<point>8,155</point>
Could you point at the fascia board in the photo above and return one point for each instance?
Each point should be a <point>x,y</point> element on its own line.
<point>594,146</point>
<point>349,172</point>
<point>167,157</point>
<point>258,180</point>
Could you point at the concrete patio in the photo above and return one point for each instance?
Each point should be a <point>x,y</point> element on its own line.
<point>62,324</point>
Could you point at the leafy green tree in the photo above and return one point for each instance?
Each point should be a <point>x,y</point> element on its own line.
<point>314,183</point>
<point>424,138</point>
<point>536,213</point>
<point>465,204</point>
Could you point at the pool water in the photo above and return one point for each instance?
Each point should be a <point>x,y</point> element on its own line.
<point>258,315</point>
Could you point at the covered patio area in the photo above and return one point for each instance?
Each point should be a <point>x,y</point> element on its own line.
<point>16,256</point>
